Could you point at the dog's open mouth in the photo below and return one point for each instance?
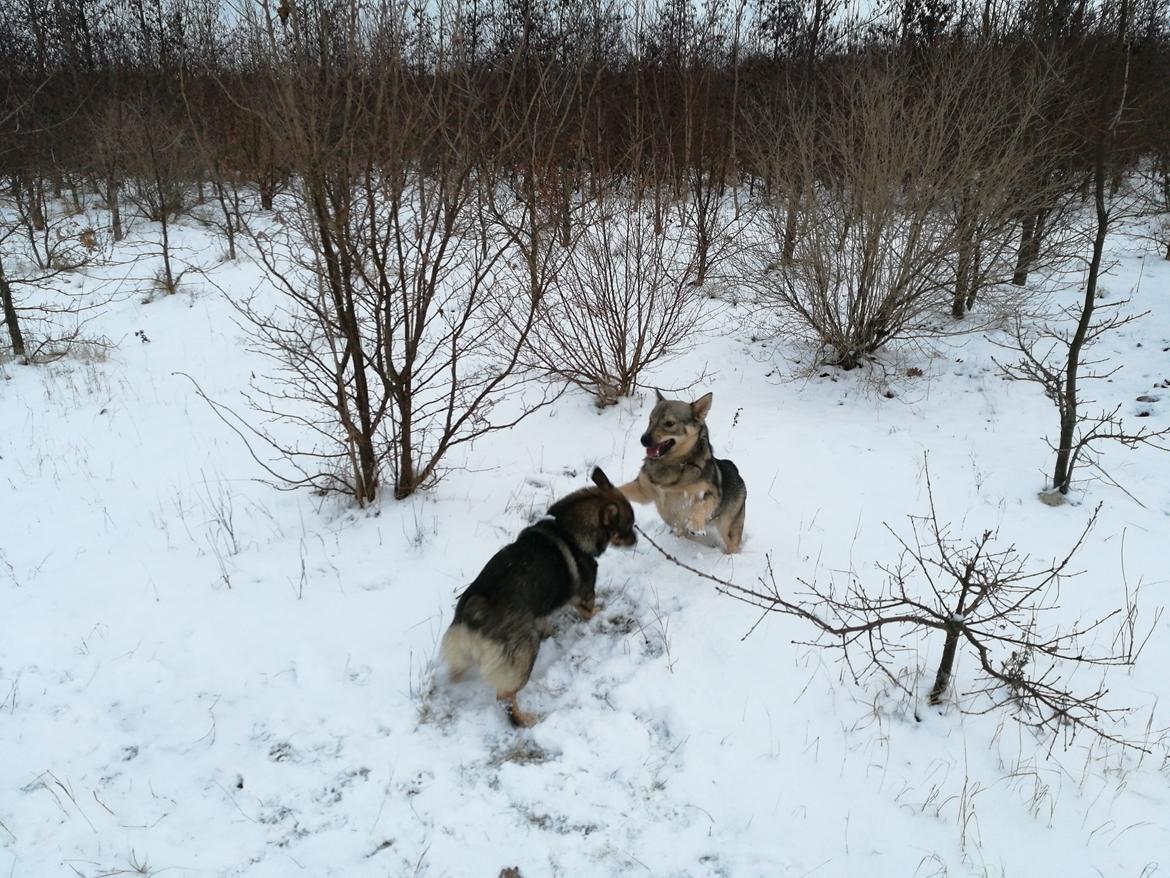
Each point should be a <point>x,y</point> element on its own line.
<point>656,451</point>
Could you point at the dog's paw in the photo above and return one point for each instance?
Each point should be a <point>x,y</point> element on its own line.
<point>697,524</point>
<point>521,720</point>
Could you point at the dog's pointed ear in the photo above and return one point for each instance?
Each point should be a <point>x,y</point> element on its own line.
<point>658,397</point>
<point>601,479</point>
<point>701,406</point>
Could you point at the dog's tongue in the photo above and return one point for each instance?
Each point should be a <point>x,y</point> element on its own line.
<point>655,451</point>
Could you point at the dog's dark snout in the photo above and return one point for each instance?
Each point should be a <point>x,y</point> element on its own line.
<point>646,440</point>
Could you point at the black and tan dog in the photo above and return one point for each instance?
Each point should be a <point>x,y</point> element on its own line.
<point>500,617</point>
<point>693,490</point>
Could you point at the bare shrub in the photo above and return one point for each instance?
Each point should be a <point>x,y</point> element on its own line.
<point>986,601</point>
<point>159,180</point>
<point>624,300</point>
<point>41,247</point>
<point>390,301</point>
<point>892,203</point>
<point>1051,353</point>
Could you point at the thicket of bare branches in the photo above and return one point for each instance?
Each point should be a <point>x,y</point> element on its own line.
<point>399,133</point>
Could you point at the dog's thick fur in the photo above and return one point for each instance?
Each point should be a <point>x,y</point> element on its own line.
<point>693,490</point>
<point>499,619</point>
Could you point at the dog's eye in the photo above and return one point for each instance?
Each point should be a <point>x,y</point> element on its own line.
<point>668,423</point>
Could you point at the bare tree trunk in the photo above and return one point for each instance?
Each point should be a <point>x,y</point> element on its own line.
<point>1022,255</point>
<point>702,193</point>
<point>168,274</point>
<point>112,192</point>
<point>790,218</point>
<point>1103,148</point>
<point>962,279</point>
<point>405,479</point>
<point>164,206</point>
<point>1068,410</point>
<point>946,664</point>
<point>965,270</point>
<point>34,186</point>
<point>566,206</point>
<point>361,435</point>
<point>661,205</point>
<point>973,284</point>
<point>229,224</point>
<point>11,318</point>
<point>704,250</point>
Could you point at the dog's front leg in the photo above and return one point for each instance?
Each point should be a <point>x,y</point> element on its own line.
<point>637,492</point>
<point>701,511</point>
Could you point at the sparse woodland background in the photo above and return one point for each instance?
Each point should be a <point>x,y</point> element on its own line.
<point>456,199</point>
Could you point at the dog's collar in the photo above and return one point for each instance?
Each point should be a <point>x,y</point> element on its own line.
<point>566,552</point>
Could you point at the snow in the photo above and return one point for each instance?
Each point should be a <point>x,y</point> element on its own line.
<point>202,675</point>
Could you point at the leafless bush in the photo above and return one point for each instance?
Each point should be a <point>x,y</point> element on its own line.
<point>986,601</point>
<point>623,301</point>
<point>157,182</point>
<point>891,205</point>
<point>1049,352</point>
<point>867,259</point>
<point>391,297</point>
<point>41,248</point>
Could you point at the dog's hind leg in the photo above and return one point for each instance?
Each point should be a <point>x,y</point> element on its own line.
<point>511,670</point>
<point>516,716</point>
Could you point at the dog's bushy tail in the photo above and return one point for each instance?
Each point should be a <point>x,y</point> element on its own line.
<point>461,647</point>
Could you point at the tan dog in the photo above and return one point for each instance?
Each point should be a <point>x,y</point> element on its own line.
<point>693,490</point>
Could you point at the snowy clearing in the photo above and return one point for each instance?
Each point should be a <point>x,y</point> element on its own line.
<point>201,675</point>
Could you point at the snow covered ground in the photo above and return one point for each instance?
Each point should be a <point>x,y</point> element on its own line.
<point>202,675</point>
